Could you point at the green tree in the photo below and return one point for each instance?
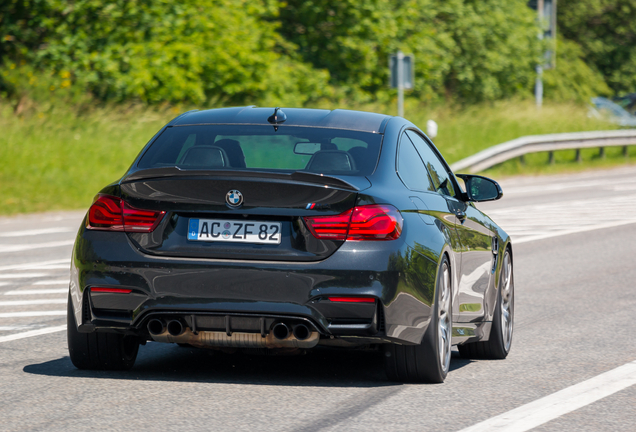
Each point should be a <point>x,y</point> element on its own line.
<point>573,79</point>
<point>471,49</point>
<point>159,50</point>
<point>606,32</point>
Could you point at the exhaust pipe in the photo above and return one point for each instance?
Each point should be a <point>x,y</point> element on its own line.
<point>281,331</point>
<point>156,327</point>
<point>175,328</point>
<point>301,332</point>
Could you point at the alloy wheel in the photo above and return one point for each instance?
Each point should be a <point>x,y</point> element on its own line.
<point>507,302</point>
<point>444,320</point>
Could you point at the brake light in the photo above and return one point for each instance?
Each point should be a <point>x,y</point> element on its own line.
<point>368,222</point>
<point>114,214</point>
<point>352,299</point>
<point>111,290</point>
<point>375,222</point>
<point>329,227</point>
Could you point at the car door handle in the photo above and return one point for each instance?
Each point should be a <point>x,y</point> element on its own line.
<point>460,215</point>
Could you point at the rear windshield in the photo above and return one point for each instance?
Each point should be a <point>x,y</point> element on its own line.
<point>289,149</point>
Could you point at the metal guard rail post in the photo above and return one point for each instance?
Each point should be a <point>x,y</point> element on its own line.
<point>544,143</point>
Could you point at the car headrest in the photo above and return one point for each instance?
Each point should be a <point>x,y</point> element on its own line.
<point>235,155</point>
<point>330,161</point>
<point>205,157</point>
<point>360,157</point>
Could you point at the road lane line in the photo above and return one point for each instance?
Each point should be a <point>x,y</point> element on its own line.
<point>32,314</point>
<point>54,267</point>
<point>570,399</point>
<point>52,282</point>
<point>33,302</point>
<point>572,231</point>
<point>21,327</point>
<point>36,232</point>
<point>36,265</point>
<point>22,275</point>
<point>26,247</point>
<point>37,291</point>
<point>32,333</point>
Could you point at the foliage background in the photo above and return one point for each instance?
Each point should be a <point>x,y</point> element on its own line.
<point>85,83</point>
<point>302,52</point>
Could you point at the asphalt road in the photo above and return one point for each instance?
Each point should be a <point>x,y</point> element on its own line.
<point>572,365</point>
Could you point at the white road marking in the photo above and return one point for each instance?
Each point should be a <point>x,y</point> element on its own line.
<point>4,283</point>
<point>21,275</point>
<point>32,302</point>
<point>32,314</point>
<point>38,291</point>
<point>54,267</point>
<point>21,327</point>
<point>32,333</point>
<point>600,184</point>
<point>543,410</point>
<point>36,232</point>
<point>52,282</point>
<point>36,265</point>
<point>537,222</point>
<point>572,231</point>
<point>25,247</point>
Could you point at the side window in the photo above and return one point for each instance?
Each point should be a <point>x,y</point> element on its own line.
<point>436,168</point>
<point>411,169</point>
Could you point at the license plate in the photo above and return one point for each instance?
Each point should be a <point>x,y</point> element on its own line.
<point>219,230</point>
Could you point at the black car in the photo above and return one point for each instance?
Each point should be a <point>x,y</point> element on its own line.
<point>253,229</point>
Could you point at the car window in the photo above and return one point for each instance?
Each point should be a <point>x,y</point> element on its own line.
<point>237,147</point>
<point>436,168</point>
<point>411,169</point>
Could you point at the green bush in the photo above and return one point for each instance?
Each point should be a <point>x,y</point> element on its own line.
<point>161,51</point>
<point>606,33</point>
<point>572,79</point>
<point>469,49</point>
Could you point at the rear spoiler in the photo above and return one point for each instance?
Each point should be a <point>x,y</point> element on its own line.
<point>294,177</point>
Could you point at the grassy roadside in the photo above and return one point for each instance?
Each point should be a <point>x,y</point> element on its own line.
<point>59,159</point>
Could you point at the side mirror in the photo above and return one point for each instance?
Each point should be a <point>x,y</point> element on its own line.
<point>480,188</point>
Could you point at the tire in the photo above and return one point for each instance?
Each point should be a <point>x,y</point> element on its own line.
<point>430,361</point>
<point>99,351</point>
<point>498,344</point>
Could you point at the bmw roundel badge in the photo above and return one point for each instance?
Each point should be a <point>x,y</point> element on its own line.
<point>234,198</point>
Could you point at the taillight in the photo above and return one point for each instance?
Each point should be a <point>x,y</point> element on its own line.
<point>368,222</point>
<point>329,227</point>
<point>352,299</point>
<point>114,214</point>
<point>375,222</point>
<point>105,213</point>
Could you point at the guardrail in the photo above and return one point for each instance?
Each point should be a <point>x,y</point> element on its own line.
<point>546,143</point>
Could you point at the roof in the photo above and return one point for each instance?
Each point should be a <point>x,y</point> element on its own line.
<point>337,119</point>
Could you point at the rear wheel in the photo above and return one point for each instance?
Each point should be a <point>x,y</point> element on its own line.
<point>99,351</point>
<point>500,341</point>
<point>429,361</point>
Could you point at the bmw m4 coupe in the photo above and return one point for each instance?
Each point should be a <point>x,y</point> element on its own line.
<point>257,229</point>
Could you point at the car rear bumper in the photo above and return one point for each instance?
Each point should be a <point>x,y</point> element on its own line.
<point>197,291</point>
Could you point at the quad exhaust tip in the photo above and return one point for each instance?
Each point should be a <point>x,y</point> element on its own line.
<point>281,331</point>
<point>175,328</point>
<point>156,327</point>
<point>301,332</point>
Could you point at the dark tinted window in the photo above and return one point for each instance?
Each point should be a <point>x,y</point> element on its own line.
<point>436,168</point>
<point>239,147</point>
<point>411,169</point>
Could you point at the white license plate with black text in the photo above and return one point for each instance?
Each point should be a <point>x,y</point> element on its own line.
<point>218,230</point>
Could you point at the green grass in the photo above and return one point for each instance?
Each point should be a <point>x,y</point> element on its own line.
<point>59,159</point>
